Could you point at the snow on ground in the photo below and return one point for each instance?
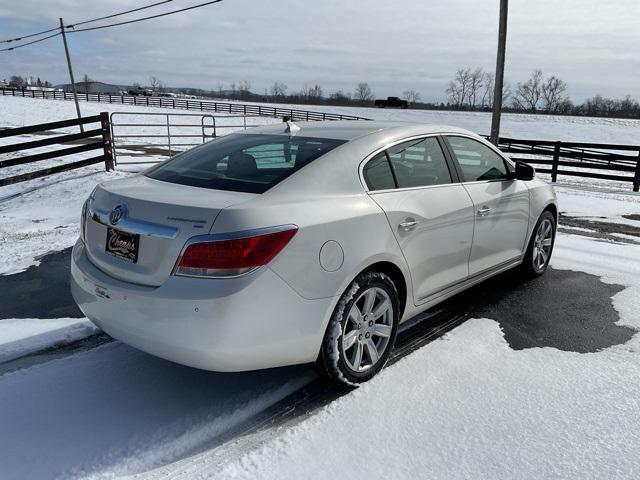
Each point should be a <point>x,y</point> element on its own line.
<point>22,336</point>
<point>589,202</point>
<point>521,126</point>
<point>19,112</point>
<point>44,220</point>
<point>115,409</point>
<point>468,406</point>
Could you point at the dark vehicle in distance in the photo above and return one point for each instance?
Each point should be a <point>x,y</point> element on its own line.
<point>140,91</point>
<point>392,102</point>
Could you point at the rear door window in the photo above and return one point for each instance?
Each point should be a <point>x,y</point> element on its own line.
<point>249,163</point>
<point>419,163</point>
<point>477,161</point>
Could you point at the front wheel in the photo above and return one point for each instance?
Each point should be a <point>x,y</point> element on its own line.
<point>362,330</point>
<point>538,255</point>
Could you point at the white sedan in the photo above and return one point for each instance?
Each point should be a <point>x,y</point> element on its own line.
<point>304,243</point>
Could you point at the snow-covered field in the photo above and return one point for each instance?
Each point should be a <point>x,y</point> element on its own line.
<point>464,406</point>
<point>521,126</point>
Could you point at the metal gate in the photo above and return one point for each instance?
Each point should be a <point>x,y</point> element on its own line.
<point>140,134</point>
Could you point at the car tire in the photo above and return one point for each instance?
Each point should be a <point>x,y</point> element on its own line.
<point>366,318</point>
<point>538,255</point>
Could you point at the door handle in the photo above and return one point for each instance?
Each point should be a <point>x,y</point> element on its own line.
<point>484,211</point>
<point>408,224</point>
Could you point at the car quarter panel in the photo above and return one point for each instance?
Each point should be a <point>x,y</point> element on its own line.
<point>355,223</point>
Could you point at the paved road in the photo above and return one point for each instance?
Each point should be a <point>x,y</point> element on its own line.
<point>40,291</point>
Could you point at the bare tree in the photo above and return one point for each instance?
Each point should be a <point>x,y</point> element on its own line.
<point>507,92</point>
<point>458,89</point>
<point>553,94</point>
<point>279,90</point>
<point>528,94</point>
<point>487,90</point>
<point>340,98</point>
<point>156,84</point>
<point>311,94</point>
<point>454,93</point>
<point>475,81</point>
<point>363,92</point>
<point>411,96</point>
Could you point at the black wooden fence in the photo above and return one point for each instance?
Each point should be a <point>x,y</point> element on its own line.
<point>185,104</point>
<point>94,138</point>
<point>591,160</point>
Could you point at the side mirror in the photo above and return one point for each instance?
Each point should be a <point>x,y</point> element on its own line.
<point>524,171</point>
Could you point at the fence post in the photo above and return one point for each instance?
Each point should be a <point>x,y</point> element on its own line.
<point>636,179</point>
<point>554,165</point>
<point>106,141</point>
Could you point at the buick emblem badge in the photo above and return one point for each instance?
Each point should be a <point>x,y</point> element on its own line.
<point>117,213</point>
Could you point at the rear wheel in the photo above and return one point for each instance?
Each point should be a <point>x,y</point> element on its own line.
<point>362,330</point>
<point>538,254</point>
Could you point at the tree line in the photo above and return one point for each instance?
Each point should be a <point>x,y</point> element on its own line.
<point>17,81</point>
<point>473,89</point>
<point>470,89</point>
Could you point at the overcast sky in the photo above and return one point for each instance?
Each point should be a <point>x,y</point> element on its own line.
<point>394,45</point>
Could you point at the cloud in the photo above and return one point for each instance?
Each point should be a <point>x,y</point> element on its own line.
<point>392,45</point>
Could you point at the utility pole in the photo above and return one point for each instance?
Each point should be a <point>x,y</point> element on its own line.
<point>73,83</point>
<point>499,80</point>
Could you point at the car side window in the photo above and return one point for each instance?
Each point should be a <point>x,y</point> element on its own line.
<point>477,161</point>
<point>377,173</point>
<point>419,163</point>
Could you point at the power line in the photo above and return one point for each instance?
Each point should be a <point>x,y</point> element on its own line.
<point>85,22</point>
<point>28,36</point>
<point>105,26</point>
<point>145,18</point>
<point>30,43</point>
<point>119,14</point>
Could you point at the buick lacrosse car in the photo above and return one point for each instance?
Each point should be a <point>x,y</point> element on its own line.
<point>303,243</point>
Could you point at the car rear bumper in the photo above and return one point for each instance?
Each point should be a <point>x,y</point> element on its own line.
<point>234,324</point>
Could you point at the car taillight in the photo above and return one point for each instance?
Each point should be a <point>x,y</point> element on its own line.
<point>232,257</point>
<point>83,220</point>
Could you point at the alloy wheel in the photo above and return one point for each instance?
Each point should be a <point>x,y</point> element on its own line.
<point>542,245</point>
<point>367,329</point>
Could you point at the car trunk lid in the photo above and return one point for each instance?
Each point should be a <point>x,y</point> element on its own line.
<point>158,216</point>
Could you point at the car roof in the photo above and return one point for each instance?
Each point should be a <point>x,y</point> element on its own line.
<point>351,129</point>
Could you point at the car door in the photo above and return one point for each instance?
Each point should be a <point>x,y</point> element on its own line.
<point>500,201</point>
<point>430,215</point>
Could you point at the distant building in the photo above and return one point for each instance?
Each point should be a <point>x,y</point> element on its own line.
<point>92,87</point>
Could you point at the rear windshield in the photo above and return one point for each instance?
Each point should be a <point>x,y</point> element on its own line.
<point>242,162</point>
